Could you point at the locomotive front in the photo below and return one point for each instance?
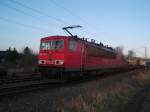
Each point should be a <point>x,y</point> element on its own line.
<point>51,55</point>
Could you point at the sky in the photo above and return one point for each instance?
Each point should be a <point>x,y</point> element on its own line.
<point>113,22</point>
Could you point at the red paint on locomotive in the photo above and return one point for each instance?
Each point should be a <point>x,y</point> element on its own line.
<point>75,54</point>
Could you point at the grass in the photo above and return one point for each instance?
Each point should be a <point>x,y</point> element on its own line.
<point>114,102</point>
<point>142,78</point>
<point>110,98</point>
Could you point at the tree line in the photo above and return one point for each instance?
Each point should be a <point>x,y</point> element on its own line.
<point>11,57</point>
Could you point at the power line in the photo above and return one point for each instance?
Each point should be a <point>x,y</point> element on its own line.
<point>73,14</point>
<point>143,52</point>
<point>67,10</point>
<point>23,12</point>
<point>22,24</point>
<point>62,7</point>
<point>44,14</point>
<point>17,10</point>
<point>38,11</point>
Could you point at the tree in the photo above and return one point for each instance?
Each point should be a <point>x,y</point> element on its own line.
<point>27,51</point>
<point>131,54</point>
<point>12,55</point>
<point>28,57</point>
<point>9,49</point>
<point>119,50</point>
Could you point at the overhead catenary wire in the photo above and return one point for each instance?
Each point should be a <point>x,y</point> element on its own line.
<point>74,15</point>
<point>138,51</point>
<point>22,24</point>
<point>39,12</point>
<point>62,7</point>
<point>25,13</point>
<point>46,15</point>
<point>68,11</point>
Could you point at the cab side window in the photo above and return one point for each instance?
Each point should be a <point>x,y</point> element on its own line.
<point>72,45</point>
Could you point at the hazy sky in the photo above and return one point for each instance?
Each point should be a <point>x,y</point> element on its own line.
<point>113,22</point>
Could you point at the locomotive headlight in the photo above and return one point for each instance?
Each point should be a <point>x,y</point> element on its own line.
<point>41,62</point>
<point>59,62</point>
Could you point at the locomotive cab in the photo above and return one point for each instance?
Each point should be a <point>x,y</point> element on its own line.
<point>51,52</point>
<point>51,55</point>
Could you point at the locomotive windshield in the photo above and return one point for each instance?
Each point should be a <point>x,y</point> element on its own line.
<point>52,45</point>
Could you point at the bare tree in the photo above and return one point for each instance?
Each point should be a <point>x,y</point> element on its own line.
<point>131,54</point>
<point>119,50</point>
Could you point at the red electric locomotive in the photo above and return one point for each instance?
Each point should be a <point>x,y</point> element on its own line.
<point>73,55</point>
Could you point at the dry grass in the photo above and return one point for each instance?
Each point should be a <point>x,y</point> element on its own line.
<point>143,77</point>
<point>93,100</point>
<point>89,101</point>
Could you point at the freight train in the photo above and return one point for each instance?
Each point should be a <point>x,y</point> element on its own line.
<point>71,56</point>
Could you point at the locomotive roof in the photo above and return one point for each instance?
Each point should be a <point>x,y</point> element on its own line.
<point>110,49</point>
<point>54,37</point>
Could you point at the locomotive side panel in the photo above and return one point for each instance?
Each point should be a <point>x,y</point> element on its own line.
<point>101,58</point>
<point>95,58</point>
<point>73,55</point>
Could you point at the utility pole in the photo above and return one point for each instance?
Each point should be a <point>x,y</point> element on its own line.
<point>145,52</point>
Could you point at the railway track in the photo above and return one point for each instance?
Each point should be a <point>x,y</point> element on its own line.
<point>25,85</point>
<point>15,80</point>
<point>29,84</point>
